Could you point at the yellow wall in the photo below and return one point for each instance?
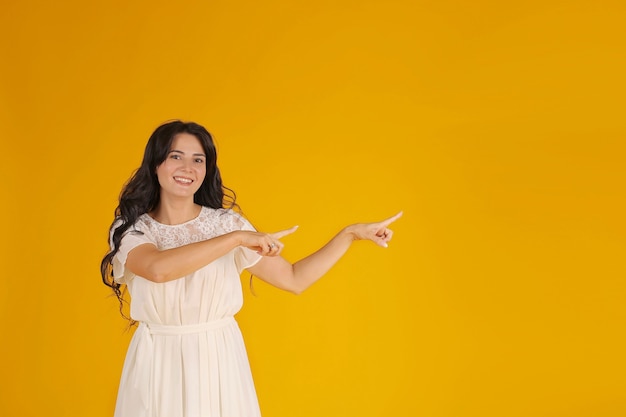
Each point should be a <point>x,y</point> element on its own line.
<point>498,127</point>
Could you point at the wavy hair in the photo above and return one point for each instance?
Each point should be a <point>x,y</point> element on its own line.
<point>141,194</point>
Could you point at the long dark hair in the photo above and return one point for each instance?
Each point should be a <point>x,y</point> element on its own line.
<point>141,194</point>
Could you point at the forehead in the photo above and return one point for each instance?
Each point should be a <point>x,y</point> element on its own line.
<point>187,143</point>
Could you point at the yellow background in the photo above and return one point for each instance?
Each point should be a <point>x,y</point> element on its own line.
<point>498,127</point>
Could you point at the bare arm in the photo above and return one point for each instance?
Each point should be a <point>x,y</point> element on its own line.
<point>298,277</point>
<point>166,265</point>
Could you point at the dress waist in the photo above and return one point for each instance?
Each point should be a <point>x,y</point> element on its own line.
<point>167,330</point>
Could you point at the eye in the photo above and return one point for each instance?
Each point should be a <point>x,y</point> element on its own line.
<point>200,161</point>
<point>174,156</point>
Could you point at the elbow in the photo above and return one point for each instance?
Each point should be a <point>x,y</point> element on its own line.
<point>158,274</point>
<point>297,282</point>
<point>297,289</point>
<point>155,277</point>
<point>290,287</point>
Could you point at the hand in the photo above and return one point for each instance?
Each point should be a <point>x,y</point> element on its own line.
<point>265,244</point>
<point>378,232</point>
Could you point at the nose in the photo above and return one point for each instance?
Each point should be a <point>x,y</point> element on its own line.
<point>187,165</point>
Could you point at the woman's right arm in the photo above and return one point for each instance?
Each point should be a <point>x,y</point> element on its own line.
<point>167,265</point>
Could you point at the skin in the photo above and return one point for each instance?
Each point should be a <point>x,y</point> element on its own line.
<point>180,176</point>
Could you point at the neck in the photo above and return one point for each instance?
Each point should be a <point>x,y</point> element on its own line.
<point>175,211</point>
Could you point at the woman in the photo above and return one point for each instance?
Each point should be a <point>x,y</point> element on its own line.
<point>179,247</point>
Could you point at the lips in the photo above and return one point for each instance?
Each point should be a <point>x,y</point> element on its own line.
<point>183,180</point>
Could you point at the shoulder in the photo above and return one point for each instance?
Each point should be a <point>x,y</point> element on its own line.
<point>229,219</point>
<point>220,213</point>
<point>141,225</point>
<point>121,231</point>
<point>144,221</point>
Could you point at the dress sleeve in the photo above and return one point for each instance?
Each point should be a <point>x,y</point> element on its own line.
<point>134,236</point>
<point>244,257</point>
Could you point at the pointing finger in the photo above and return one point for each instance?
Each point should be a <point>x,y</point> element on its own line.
<point>282,233</point>
<point>390,220</point>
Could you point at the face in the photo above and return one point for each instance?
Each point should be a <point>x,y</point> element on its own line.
<point>184,168</point>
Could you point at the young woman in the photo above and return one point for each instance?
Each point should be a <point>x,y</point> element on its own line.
<point>179,248</point>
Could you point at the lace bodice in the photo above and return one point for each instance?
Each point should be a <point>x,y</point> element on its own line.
<point>208,224</point>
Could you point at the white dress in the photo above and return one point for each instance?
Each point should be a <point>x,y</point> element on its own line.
<point>187,357</point>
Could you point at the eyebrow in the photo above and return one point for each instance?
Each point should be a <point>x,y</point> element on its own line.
<point>181,152</point>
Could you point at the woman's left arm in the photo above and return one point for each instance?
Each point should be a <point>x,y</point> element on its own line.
<point>299,276</point>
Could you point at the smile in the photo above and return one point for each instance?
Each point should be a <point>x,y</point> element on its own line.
<point>183,180</point>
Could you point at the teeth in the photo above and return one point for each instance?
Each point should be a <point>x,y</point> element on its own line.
<point>185,180</point>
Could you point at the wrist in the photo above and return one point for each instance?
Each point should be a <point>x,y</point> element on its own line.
<point>350,231</point>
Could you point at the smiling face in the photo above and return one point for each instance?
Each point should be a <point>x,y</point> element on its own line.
<point>182,172</point>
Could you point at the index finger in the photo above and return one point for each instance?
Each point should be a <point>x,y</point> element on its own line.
<point>282,233</point>
<point>392,219</point>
